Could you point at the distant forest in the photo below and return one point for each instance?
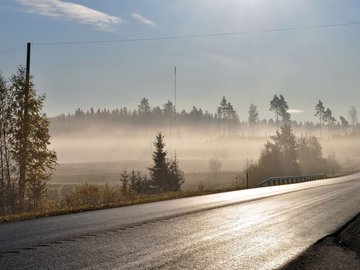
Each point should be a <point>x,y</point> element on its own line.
<point>224,122</point>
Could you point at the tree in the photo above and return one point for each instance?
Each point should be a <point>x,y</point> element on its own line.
<point>124,178</point>
<point>222,113</point>
<point>343,122</point>
<point>353,117</point>
<point>144,112</point>
<point>278,158</point>
<point>310,155</point>
<point>286,142</point>
<point>144,107</point>
<point>30,141</point>
<point>267,166</point>
<point>5,124</point>
<point>165,174</point>
<point>329,119</point>
<point>280,107</point>
<point>284,114</point>
<point>169,112</point>
<point>253,117</point>
<point>176,175</point>
<point>227,115</point>
<point>160,169</point>
<point>320,113</point>
<point>275,107</point>
<point>231,117</point>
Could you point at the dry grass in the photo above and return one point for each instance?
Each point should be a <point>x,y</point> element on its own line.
<point>53,211</point>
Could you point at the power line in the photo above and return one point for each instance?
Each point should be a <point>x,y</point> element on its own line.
<point>12,49</point>
<point>309,27</point>
<point>295,28</point>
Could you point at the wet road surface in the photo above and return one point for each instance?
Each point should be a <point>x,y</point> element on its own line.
<point>252,229</point>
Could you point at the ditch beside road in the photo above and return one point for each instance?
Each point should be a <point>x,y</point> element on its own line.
<point>340,250</point>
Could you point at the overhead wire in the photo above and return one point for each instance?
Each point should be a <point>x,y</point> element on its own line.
<point>79,42</point>
<point>12,49</point>
<point>198,35</point>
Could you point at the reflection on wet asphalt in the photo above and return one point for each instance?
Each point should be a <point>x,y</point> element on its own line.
<point>259,234</point>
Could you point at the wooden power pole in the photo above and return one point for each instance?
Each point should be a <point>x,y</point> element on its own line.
<point>25,128</point>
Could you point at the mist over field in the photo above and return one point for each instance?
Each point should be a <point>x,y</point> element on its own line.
<point>109,145</point>
<point>99,154</point>
<point>221,150</point>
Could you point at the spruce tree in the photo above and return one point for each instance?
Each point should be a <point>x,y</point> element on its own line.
<point>124,178</point>
<point>176,175</point>
<point>159,171</point>
<point>285,140</point>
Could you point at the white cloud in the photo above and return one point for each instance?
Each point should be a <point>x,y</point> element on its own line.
<point>72,11</point>
<point>142,19</point>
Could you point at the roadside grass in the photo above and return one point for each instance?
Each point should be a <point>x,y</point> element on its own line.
<point>60,187</point>
<point>51,210</point>
<point>201,184</point>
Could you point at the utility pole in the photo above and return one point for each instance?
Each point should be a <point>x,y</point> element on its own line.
<point>175,86</point>
<point>171,112</point>
<point>25,128</point>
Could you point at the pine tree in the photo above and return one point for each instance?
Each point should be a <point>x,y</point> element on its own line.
<point>275,106</point>
<point>343,122</point>
<point>284,114</point>
<point>253,117</point>
<point>222,113</point>
<point>144,112</point>
<point>231,116</point>
<point>169,112</point>
<point>328,118</point>
<point>320,113</point>
<point>280,108</point>
<point>144,107</point>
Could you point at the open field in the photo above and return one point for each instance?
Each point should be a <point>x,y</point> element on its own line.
<point>70,175</point>
<point>91,158</point>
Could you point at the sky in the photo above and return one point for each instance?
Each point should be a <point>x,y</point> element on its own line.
<point>304,65</point>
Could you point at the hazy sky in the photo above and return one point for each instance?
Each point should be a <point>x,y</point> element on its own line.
<point>303,65</point>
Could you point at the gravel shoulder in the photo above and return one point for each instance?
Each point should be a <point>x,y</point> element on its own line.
<point>340,250</point>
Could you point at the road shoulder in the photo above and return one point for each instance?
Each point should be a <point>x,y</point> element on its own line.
<point>340,250</point>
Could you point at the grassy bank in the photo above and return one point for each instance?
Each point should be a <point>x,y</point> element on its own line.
<point>53,211</point>
<point>54,208</point>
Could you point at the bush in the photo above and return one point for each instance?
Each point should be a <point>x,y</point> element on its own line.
<point>85,195</point>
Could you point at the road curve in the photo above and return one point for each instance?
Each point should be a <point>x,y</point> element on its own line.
<point>250,229</point>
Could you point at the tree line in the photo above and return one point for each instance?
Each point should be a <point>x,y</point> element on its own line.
<point>26,163</point>
<point>224,122</point>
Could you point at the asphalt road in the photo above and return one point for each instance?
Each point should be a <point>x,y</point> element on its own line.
<point>261,228</point>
